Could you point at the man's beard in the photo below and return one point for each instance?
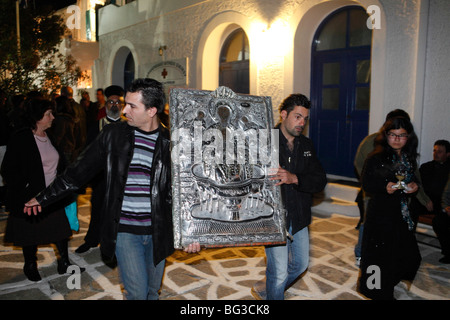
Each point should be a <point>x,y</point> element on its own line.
<point>113,113</point>
<point>294,132</point>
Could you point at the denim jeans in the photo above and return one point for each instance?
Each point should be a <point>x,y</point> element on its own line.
<point>140,278</point>
<point>285,263</point>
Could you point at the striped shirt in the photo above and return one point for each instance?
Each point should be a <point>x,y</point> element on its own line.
<point>136,207</point>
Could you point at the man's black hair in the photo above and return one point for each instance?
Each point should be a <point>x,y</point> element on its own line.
<point>152,93</point>
<point>295,99</point>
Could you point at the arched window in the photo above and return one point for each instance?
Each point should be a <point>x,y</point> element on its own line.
<point>344,30</point>
<point>234,62</point>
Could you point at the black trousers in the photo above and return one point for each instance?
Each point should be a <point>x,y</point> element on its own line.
<point>441,226</point>
<point>30,252</point>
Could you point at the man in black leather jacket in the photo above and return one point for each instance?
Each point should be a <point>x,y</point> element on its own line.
<point>140,235</point>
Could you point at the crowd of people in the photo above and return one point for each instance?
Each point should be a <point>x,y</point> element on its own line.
<point>53,148</point>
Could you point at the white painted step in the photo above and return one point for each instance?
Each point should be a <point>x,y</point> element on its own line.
<point>337,198</point>
<point>340,192</point>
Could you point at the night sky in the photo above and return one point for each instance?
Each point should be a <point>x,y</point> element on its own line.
<point>56,4</point>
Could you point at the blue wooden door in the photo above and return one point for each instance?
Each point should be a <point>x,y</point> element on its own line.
<point>340,95</point>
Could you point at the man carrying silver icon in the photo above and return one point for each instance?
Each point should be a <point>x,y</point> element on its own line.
<point>300,176</point>
<point>223,147</point>
<point>137,213</point>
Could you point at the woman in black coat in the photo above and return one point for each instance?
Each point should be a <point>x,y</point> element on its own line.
<point>389,248</point>
<point>31,162</point>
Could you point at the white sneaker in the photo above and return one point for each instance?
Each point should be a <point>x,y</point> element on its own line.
<point>358,261</point>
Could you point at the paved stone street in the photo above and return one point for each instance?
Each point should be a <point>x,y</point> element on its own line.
<point>220,274</point>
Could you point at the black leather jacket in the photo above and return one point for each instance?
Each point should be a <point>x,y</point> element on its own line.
<point>112,152</point>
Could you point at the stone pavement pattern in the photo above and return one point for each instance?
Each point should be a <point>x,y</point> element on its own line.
<point>220,274</point>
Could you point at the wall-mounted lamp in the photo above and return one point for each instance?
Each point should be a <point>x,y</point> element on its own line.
<point>161,50</point>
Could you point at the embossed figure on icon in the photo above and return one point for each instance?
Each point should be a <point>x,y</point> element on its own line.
<point>223,152</point>
<point>231,191</point>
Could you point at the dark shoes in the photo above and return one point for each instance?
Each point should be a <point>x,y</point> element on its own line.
<point>31,271</point>
<point>83,248</point>
<point>64,264</point>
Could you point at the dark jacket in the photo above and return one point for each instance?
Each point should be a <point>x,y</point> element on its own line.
<point>304,163</point>
<point>63,129</point>
<point>22,170</point>
<point>387,243</point>
<point>434,178</point>
<point>23,173</point>
<point>112,151</point>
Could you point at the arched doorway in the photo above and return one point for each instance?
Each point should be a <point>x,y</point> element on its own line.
<point>340,88</point>
<point>234,63</point>
<point>123,67</point>
<point>128,74</point>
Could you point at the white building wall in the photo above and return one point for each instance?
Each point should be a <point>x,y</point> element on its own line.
<point>436,104</point>
<point>409,56</point>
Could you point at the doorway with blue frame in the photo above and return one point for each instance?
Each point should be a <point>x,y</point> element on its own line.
<point>340,88</point>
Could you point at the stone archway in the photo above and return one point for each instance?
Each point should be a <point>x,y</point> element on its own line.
<point>210,44</point>
<point>117,62</point>
<point>307,20</point>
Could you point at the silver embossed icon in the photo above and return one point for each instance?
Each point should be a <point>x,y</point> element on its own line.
<point>223,149</point>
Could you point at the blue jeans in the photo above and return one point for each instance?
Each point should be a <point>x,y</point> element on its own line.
<point>285,263</point>
<point>140,278</point>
